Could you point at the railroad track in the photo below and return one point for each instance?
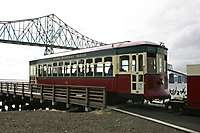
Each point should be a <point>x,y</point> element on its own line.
<point>181,128</point>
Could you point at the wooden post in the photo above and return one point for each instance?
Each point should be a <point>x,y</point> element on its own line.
<point>104,97</point>
<point>41,93</point>
<point>1,87</point>
<point>86,99</point>
<point>14,90</point>
<point>31,91</point>
<point>53,95</point>
<point>7,85</point>
<point>67,97</point>
<point>22,91</point>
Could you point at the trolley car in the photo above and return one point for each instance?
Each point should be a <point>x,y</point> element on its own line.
<point>128,70</point>
<point>177,85</point>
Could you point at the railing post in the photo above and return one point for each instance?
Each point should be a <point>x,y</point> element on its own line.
<point>14,89</point>
<point>104,97</point>
<point>53,95</point>
<point>86,97</point>
<point>67,97</point>
<point>1,87</point>
<point>22,90</point>
<point>31,91</point>
<point>7,85</point>
<point>41,93</point>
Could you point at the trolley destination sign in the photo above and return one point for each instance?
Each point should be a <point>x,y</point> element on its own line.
<point>70,57</point>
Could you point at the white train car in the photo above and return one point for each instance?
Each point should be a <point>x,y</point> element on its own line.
<point>177,85</point>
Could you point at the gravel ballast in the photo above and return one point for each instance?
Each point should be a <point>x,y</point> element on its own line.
<point>77,122</point>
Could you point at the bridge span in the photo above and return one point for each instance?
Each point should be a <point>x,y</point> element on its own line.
<point>47,31</point>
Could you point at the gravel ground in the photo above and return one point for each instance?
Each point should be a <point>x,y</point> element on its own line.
<point>76,122</point>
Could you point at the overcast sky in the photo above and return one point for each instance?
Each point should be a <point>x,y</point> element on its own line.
<point>176,23</point>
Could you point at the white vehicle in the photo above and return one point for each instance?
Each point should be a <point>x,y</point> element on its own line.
<point>177,85</point>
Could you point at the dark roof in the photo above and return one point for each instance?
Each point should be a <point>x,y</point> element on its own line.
<point>106,47</point>
<point>176,72</point>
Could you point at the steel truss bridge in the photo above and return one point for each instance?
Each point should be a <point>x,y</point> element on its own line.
<point>47,31</point>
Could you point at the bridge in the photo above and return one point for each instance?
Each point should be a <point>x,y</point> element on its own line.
<point>47,31</point>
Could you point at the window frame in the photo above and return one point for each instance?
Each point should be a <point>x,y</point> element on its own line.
<point>74,62</point>
<point>81,71</point>
<point>120,64</point>
<point>67,68</point>
<point>87,64</point>
<point>110,67</point>
<point>98,64</point>
<point>55,69</point>
<point>49,69</point>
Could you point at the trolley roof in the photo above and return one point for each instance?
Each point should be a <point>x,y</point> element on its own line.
<point>100,48</point>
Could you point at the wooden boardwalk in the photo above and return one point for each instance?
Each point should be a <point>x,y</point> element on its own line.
<point>88,96</point>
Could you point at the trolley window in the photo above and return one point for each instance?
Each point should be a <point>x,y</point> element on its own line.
<point>44,70</point>
<point>151,62</point>
<point>74,68</point>
<point>98,67</point>
<point>140,62</point>
<point>60,69</point>
<point>165,63</point>
<point>33,70</point>
<point>133,63</point>
<point>39,70</point>
<point>133,78</point>
<point>171,78</point>
<point>81,68</point>
<point>55,69</point>
<point>89,67</point>
<point>180,79</point>
<point>67,69</point>
<point>124,63</point>
<point>108,67</point>
<point>140,78</point>
<point>161,63</point>
<point>49,70</point>
<point>175,78</point>
<point>133,86</point>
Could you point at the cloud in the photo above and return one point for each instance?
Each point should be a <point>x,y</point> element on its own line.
<point>177,24</point>
<point>187,37</point>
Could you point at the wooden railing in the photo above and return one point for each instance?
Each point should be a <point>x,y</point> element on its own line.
<point>89,96</point>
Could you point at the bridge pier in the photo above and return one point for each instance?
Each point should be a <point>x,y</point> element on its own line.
<point>3,107</point>
<point>25,103</point>
<point>10,103</point>
<point>49,104</point>
<point>2,100</point>
<point>42,105</point>
<point>2,104</point>
<point>59,106</point>
<point>16,102</point>
<point>35,104</point>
